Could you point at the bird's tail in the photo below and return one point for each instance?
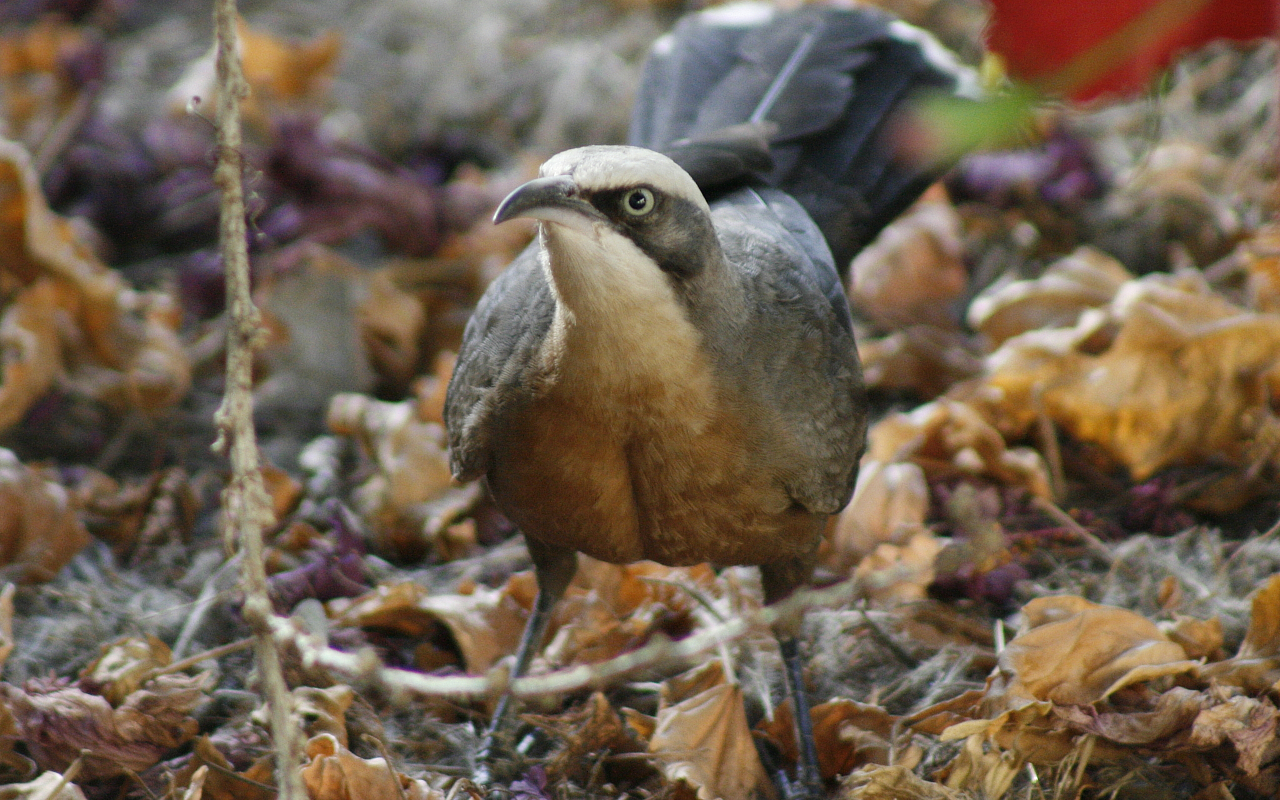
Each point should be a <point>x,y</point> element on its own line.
<point>799,100</point>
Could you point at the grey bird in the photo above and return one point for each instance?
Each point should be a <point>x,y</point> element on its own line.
<point>669,371</point>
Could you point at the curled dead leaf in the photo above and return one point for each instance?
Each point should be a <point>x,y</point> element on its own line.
<point>948,438</point>
<point>335,773</point>
<point>1071,285</point>
<point>39,529</point>
<point>57,722</point>
<point>123,666</point>
<point>1181,380</point>
<point>889,506</point>
<point>891,783</point>
<point>48,786</point>
<point>72,318</point>
<point>914,269</point>
<point>410,499</point>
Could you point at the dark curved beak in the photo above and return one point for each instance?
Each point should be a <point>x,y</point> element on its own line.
<point>553,199</point>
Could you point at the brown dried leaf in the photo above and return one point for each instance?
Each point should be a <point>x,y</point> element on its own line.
<point>74,317</point>
<point>57,723</point>
<point>324,710</point>
<point>412,479</point>
<point>888,507</point>
<point>1073,652</point>
<point>39,529</point>
<point>702,738</point>
<point>893,575</point>
<point>486,624</point>
<point>592,733</point>
<point>1071,285</point>
<point>1248,724</point>
<point>392,323</point>
<point>38,86</point>
<point>1173,713</point>
<point>922,359</point>
<point>6,621</point>
<point>335,773</point>
<point>891,783</point>
<point>49,786</point>
<point>1256,668</point>
<point>949,438</point>
<point>123,666</point>
<point>277,71</point>
<point>223,782</point>
<point>914,269</point>
<point>846,733</point>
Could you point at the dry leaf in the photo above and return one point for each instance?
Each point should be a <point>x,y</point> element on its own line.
<point>702,739</point>
<point>335,773</point>
<point>39,529</point>
<point>278,72</point>
<point>889,506</point>
<point>914,270</point>
<point>124,666</point>
<point>593,734</point>
<point>6,621</point>
<point>891,783</point>
<point>485,624</point>
<point>39,84</point>
<point>1071,285</point>
<point>49,786</point>
<point>58,722</point>
<point>922,359</point>
<point>399,501</point>
<point>223,782</point>
<point>893,575</point>
<point>1182,380</point>
<point>70,316</point>
<point>846,733</point>
<point>948,438</point>
<point>1074,652</point>
<point>324,710</point>
<point>1256,667</point>
<point>392,323</point>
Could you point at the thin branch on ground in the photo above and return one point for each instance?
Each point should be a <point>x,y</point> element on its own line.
<point>246,507</point>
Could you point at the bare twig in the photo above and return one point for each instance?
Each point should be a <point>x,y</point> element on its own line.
<point>246,507</point>
<point>1095,545</point>
<point>364,667</point>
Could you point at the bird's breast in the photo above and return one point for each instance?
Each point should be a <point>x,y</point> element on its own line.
<point>636,449</point>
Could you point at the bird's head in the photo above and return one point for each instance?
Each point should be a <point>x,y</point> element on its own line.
<point>619,200</point>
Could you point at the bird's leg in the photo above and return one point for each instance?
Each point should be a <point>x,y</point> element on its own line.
<point>780,579</point>
<point>553,567</point>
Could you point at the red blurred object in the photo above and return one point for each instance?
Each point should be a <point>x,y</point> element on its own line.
<point>1088,48</point>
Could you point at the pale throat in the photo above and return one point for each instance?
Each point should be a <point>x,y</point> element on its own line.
<point>618,317</point>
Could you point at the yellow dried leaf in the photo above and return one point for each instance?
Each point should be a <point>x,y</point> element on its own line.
<point>892,783</point>
<point>412,472</point>
<point>124,666</point>
<point>948,437</point>
<point>1181,381</point>
<point>485,624</point>
<point>893,574</point>
<point>888,506</point>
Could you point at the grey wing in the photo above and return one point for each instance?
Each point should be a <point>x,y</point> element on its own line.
<point>495,362</point>
<point>801,340</point>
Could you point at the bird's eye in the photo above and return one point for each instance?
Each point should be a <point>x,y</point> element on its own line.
<point>638,202</point>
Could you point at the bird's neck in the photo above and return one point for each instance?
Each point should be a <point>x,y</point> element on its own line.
<point>619,325</point>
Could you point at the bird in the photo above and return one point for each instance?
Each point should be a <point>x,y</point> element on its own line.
<point>669,371</point>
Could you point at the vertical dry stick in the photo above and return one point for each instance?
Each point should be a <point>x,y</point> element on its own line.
<point>246,508</point>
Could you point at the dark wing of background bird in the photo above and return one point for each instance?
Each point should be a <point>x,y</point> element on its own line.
<point>800,101</point>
